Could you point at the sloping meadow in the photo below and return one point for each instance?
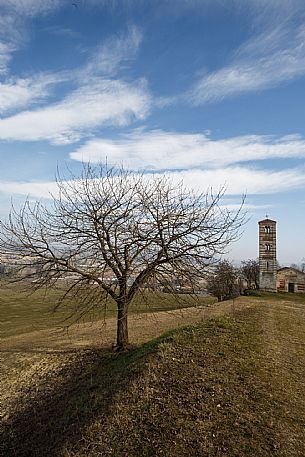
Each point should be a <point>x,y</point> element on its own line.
<point>233,385</point>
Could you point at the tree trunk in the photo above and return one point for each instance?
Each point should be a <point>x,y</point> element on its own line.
<point>122,326</point>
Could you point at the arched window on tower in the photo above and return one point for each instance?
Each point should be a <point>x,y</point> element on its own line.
<point>268,247</point>
<point>267,229</point>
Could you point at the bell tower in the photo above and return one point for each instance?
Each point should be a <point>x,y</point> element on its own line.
<point>267,255</point>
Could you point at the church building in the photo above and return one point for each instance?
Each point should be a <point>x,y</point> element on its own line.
<point>271,278</point>
<point>290,280</point>
<point>267,255</point>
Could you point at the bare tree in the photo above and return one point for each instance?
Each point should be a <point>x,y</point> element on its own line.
<point>250,271</point>
<point>223,281</point>
<point>112,232</point>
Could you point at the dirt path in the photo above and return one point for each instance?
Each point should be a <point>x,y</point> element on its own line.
<point>283,345</point>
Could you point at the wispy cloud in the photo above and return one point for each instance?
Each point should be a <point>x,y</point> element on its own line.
<point>241,180</point>
<point>102,102</point>
<point>34,189</point>
<point>23,92</point>
<point>6,51</point>
<point>273,57</point>
<point>238,180</point>
<point>30,7</point>
<point>61,31</point>
<point>114,53</point>
<point>10,39</point>
<point>96,101</point>
<point>157,149</point>
<point>14,16</point>
<point>249,207</point>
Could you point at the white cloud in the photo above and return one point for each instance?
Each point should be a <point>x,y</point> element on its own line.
<point>17,93</point>
<point>237,180</point>
<point>157,150</point>
<point>14,15</point>
<point>96,101</point>
<point>22,92</point>
<point>102,102</point>
<point>35,190</point>
<point>250,208</point>
<point>30,7</point>
<point>10,39</point>
<point>273,57</point>
<point>6,51</point>
<point>241,180</point>
<point>114,53</point>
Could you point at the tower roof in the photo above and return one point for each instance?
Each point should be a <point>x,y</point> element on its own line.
<point>266,221</point>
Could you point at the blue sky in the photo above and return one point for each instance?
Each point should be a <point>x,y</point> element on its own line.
<point>209,91</point>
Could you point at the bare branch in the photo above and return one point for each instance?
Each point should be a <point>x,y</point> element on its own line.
<point>111,232</point>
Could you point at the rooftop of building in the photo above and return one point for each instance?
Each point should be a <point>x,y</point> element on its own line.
<point>266,221</point>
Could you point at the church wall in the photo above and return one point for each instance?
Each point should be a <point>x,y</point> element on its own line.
<point>286,276</point>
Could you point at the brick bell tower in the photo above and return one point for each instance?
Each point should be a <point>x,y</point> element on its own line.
<point>267,255</point>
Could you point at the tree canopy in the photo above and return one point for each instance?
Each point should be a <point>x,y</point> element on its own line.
<point>250,271</point>
<point>223,281</point>
<point>113,232</point>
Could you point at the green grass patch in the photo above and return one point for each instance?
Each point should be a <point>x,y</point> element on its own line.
<point>279,296</point>
<point>23,312</point>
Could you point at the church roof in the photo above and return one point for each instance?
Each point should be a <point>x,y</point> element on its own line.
<point>266,221</point>
<point>291,268</point>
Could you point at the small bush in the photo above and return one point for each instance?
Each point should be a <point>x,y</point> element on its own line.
<point>252,293</point>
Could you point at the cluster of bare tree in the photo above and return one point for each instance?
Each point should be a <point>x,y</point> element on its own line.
<point>227,281</point>
<point>249,270</point>
<point>112,232</point>
<point>222,282</point>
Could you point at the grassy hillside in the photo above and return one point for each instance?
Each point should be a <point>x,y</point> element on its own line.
<point>231,386</point>
<point>22,312</point>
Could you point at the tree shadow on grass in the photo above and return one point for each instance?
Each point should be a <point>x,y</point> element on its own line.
<point>48,418</point>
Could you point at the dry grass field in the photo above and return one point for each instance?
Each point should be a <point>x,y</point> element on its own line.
<point>23,312</point>
<point>230,384</point>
